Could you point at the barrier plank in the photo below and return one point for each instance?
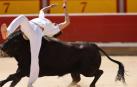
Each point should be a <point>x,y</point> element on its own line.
<point>86,6</point>
<point>96,28</point>
<point>19,6</point>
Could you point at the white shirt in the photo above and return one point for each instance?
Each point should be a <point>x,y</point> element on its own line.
<point>50,29</point>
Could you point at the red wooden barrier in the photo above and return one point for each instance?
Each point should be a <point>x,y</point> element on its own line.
<point>95,28</point>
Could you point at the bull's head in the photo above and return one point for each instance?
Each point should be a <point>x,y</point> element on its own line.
<point>14,44</point>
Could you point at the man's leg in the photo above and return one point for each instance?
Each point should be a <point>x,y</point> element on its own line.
<point>35,43</point>
<point>35,38</point>
<point>34,35</point>
<point>20,20</point>
<point>34,68</point>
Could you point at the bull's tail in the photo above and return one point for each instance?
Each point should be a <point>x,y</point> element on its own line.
<point>121,71</point>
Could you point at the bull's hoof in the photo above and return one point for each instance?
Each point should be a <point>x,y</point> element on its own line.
<point>29,86</point>
<point>12,86</point>
<point>1,84</point>
<point>92,86</point>
<point>73,84</point>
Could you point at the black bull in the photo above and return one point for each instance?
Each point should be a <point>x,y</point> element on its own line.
<point>57,58</point>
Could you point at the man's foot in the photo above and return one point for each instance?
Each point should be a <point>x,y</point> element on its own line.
<point>4,32</point>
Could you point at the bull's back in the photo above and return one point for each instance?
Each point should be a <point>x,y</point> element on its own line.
<point>59,58</point>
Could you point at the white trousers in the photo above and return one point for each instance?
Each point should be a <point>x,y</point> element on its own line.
<point>34,35</point>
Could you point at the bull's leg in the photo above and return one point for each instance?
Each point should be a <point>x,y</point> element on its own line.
<point>75,79</point>
<point>16,80</point>
<point>97,76</point>
<point>9,78</point>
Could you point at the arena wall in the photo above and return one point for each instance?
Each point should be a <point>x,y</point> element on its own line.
<point>74,6</point>
<point>131,6</point>
<point>95,28</point>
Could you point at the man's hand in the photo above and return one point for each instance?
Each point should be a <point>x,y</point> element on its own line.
<point>65,4</point>
<point>48,7</point>
<point>53,5</point>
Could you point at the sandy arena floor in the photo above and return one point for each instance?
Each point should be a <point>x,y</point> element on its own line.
<point>9,65</point>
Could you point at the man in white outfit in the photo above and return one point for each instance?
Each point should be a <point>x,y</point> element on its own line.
<point>34,30</point>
